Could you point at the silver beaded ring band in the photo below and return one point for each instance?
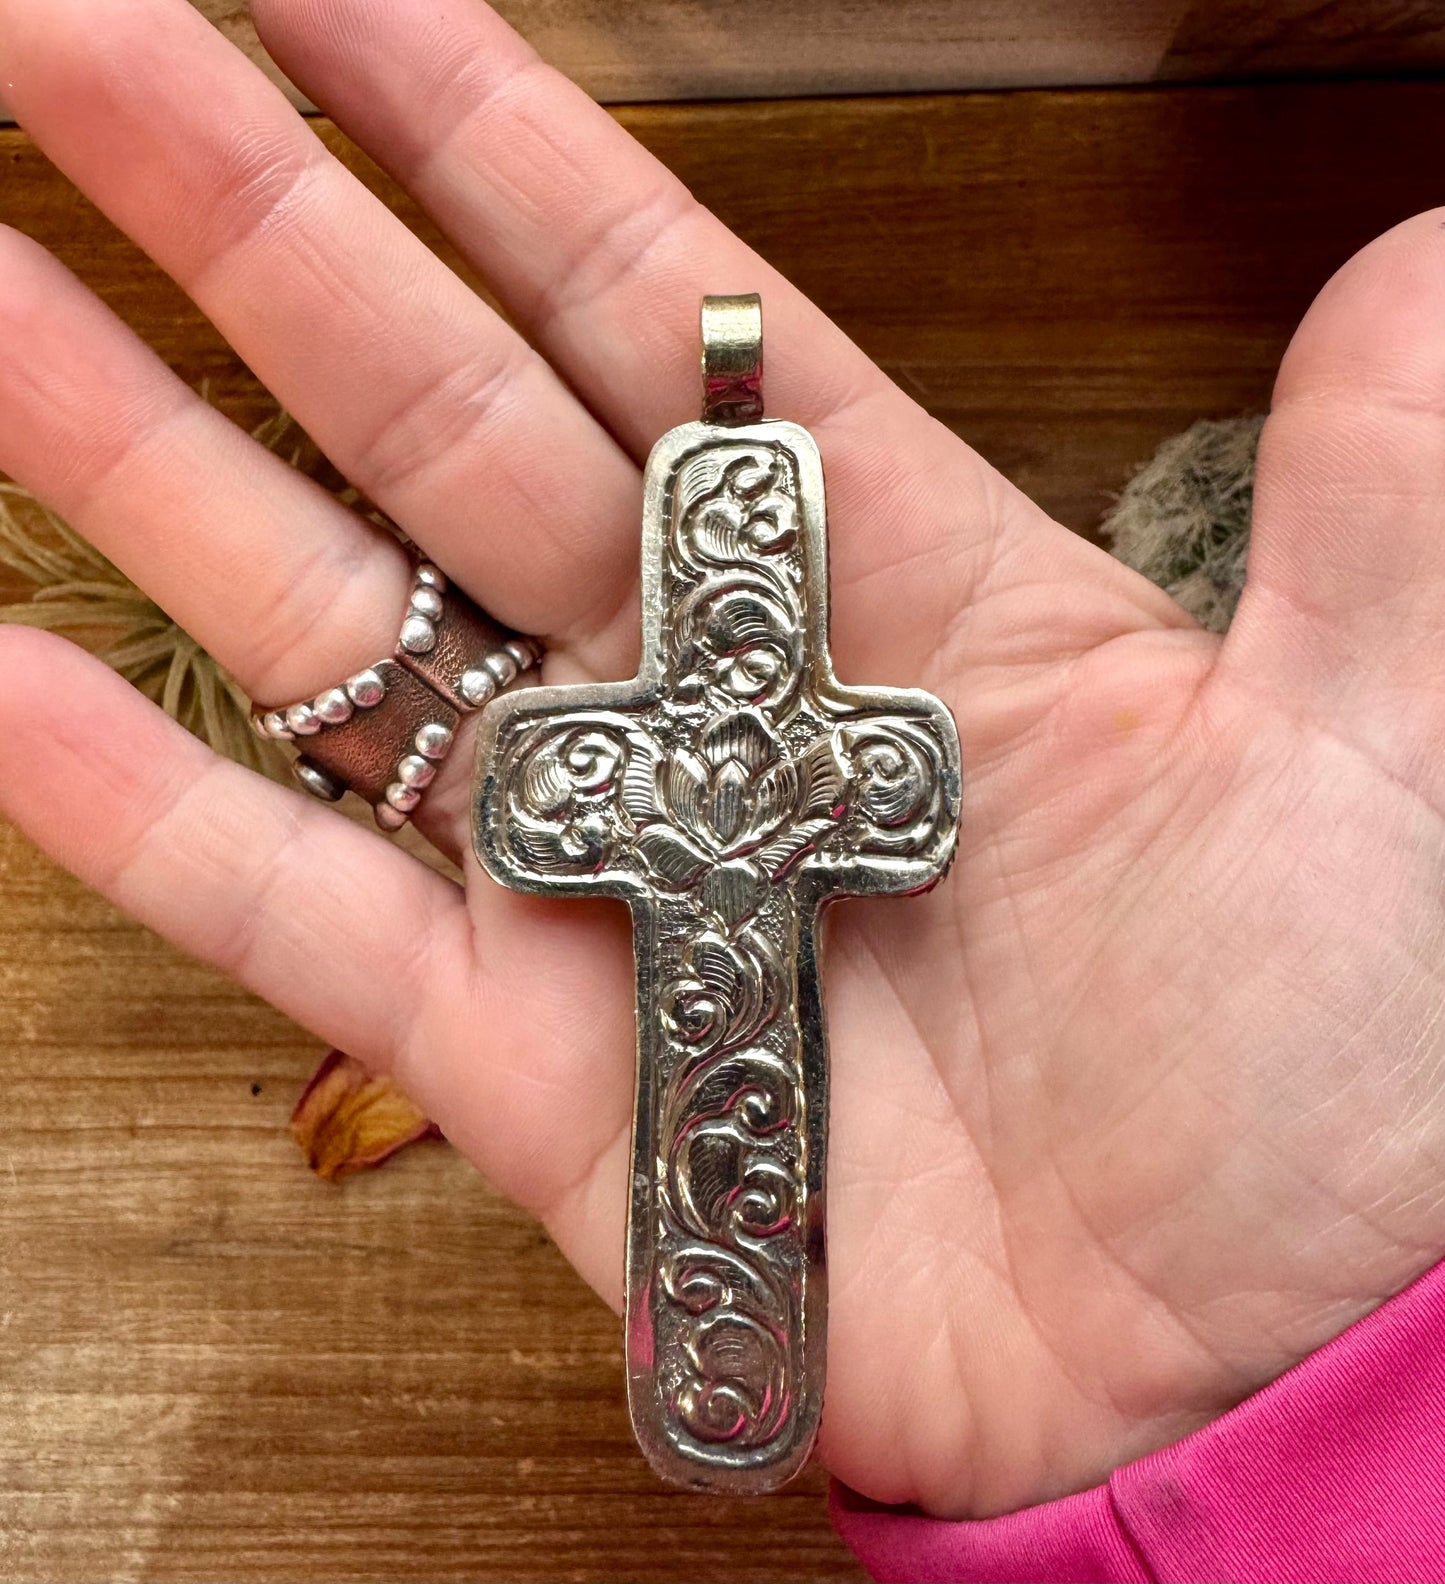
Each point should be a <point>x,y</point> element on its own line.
<point>384,732</point>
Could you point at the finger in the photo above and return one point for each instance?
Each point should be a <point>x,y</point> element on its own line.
<point>414,388</point>
<point>1345,601</point>
<point>287,589</point>
<point>600,253</point>
<point>486,1023</point>
<point>298,905</point>
<point>592,242</point>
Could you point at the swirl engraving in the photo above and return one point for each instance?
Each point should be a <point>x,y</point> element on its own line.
<point>720,820</point>
<point>895,782</point>
<point>738,770</point>
<point>737,641</point>
<point>735,506</point>
<point>726,815</point>
<point>726,991</point>
<point>563,787</point>
<point>733,1370</point>
<point>732,1188</point>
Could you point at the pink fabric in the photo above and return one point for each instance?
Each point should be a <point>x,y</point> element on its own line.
<point>1334,1472</point>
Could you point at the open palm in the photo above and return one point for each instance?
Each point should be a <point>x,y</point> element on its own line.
<point>1136,1109</point>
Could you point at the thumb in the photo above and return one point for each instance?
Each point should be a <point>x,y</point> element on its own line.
<point>1344,605</point>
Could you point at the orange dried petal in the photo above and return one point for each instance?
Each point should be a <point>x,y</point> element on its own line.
<point>347,1119</point>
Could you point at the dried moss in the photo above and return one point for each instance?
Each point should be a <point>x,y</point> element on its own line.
<point>1183,519</point>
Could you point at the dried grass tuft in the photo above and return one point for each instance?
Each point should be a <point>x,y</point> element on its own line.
<point>1183,519</point>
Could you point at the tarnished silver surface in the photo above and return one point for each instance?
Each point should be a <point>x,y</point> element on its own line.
<point>727,793</point>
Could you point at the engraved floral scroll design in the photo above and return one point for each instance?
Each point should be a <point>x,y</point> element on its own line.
<point>716,796</point>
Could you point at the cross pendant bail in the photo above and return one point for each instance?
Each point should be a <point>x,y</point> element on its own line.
<point>728,794</point>
<point>732,359</point>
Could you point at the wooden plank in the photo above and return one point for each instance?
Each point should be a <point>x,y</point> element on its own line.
<point>217,1368</point>
<point>1065,278</point>
<point>675,49</point>
<point>1283,38</point>
<point>651,50</point>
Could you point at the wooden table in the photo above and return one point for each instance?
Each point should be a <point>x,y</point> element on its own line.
<point>216,1367</point>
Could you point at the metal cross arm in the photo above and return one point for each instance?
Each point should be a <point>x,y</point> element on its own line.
<point>727,793</point>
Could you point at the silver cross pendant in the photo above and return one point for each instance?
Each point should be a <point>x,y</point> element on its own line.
<point>727,793</point>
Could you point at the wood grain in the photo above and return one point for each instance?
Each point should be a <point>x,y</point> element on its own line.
<point>749,49</point>
<point>651,50</point>
<point>686,49</point>
<point>1321,38</point>
<point>216,1367</point>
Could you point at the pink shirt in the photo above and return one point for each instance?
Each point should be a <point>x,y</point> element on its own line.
<point>1334,1472</point>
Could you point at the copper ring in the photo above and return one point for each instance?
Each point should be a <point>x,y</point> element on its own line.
<point>384,732</point>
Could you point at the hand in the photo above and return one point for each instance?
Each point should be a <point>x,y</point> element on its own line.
<point>1137,1109</point>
